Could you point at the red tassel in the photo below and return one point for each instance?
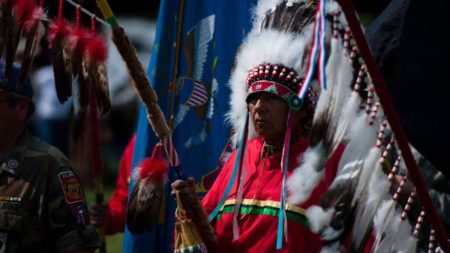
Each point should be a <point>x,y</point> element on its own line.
<point>58,40</point>
<point>79,41</point>
<point>97,48</point>
<point>59,29</point>
<point>155,167</point>
<point>27,13</point>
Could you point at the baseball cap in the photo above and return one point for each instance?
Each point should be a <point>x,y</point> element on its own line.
<point>10,84</point>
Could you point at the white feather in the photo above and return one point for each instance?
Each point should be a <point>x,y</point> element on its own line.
<point>368,165</point>
<point>342,93</point>
<point>332,248</point>
<point>305,177</point>
<point>362,138</point>
<point>325,97</point>
<point>330,234</point>
<point>389,235</point>
<point>409,246</point>
<point>382,219</point>
<point>377,189</point>
<point>260,10</point>
<point>349,113</point>
<point>348,173</point>
<point>378,183</point>
<point>402,235</point>
<point>318,218</point>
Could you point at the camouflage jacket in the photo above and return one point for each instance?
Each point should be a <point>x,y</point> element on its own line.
<point>42,203</point>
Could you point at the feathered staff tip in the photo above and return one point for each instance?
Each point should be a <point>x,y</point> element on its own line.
<point>146,197</point>
<point>154,168</point>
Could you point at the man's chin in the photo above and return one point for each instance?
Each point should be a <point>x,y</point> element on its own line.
<point>262,132</point>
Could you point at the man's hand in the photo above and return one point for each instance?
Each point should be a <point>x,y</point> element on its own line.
<point>98,215</point>
<point>186,190</point>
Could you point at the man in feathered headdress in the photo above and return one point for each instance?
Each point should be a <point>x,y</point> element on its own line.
<point>247,205</point>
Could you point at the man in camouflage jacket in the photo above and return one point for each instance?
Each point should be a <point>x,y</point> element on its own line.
<point>42,203</point>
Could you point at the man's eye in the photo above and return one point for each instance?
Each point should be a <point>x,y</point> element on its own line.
<point>252,101</point>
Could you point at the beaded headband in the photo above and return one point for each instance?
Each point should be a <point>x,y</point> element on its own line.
<point>274,78</point>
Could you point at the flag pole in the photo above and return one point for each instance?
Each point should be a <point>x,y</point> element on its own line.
<point>394,122</point>
<point>173,85</point>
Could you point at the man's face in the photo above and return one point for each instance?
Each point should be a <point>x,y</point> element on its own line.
<point>6,113</point>
<point>268,113</point>
<point>11,116</point>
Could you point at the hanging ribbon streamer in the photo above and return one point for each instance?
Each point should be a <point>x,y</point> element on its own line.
<point>322,49</point>
<point>284,169</point>
<point>237,165</point>
<point>312,58</point>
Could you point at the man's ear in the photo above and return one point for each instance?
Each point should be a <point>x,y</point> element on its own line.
<point>21,108</point>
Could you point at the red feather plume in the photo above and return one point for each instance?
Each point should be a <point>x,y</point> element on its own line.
<point>97,53</point>
<point>59,29</point>
<point>154,168</point>
<point>27,13</point>
<point>79,41</point>
<point>58,40</point>
<point>97,48</point>
<point>146,199</point>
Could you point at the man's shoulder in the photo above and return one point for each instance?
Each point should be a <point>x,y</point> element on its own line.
<point>39,149</point>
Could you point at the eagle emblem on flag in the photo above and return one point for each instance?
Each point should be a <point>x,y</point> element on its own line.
<point>200,91</point>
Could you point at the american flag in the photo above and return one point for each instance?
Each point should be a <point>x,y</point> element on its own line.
<point>171,151</point>
<point>199,95</point>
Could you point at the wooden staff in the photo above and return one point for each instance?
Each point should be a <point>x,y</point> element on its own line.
<point>140,80</point>
<point>394,122</point>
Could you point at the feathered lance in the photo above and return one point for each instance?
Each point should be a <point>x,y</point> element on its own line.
<point>97,160</point>
<point>13,30</point>
<point>394,122</point>
<point>154,114</point>
<point>96,55</point>
<point>31,27</point>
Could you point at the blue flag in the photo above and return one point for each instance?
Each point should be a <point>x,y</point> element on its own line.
<point>211,33</point>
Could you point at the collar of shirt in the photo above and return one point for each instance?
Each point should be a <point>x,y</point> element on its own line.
<point>274,159</point>
<point>11,161</point>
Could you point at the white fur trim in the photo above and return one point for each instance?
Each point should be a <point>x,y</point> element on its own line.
<point>305,177</point>
<point>318,218</point>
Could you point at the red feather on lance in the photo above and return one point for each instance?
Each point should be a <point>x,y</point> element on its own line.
<point>20,16</point>
<point>79,41</point>
<point>97,53</point>
<point>10,19</point>
<point>147,195</point>
<point>31,16</point>
<point>58,39</point>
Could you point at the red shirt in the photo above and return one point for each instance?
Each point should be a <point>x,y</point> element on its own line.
<point>258,218</point>
<point>118,202</point>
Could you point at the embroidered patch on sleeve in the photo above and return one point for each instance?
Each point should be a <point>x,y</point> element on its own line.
<point>71,187</point>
